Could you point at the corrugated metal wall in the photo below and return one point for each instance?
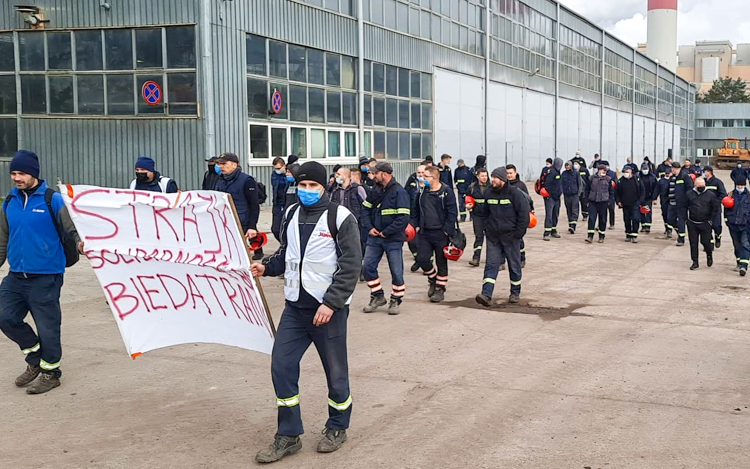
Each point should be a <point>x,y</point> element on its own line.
<point>103,151</point>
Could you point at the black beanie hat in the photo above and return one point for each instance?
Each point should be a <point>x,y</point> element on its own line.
<point>313,171</point>
<point>500,173</point>
<point>291,159</point>
<point>27,162</point>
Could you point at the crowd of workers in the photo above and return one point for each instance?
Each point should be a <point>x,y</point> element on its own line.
<point>334,229</point>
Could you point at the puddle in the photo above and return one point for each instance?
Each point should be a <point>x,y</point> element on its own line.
<point>544,312</point>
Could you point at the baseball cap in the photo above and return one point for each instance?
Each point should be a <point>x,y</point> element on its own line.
<point>384,167</point>
<point>227,157</point>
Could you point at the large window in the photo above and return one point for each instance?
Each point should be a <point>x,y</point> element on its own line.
<point>400,100</point>
<point>522,37</point>
<point>101,72</point>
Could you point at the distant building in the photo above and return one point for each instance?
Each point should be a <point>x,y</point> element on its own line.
<point>715,123</point>
<point>707,61</point>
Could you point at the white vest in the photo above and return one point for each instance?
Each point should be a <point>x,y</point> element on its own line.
<point>320,262</point>
<point>163,183</point>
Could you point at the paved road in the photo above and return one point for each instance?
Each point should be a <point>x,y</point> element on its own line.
<point>618,357</point>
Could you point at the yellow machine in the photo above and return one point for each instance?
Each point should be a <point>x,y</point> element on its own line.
<point>730,155</point>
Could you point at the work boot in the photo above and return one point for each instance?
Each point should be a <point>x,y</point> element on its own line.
<point>546,237</point>
<point>513,298</point>
<point>393,310</point>
<point>634,240</point>
<point>743,271</point>
<point>332,440</point>
<point>502,267</point>
<point>431,289</point>
<point>709,259</point>
<point>717,243</point>
<point>555,234</point>
<point>643,230</point>
<point>590,239</point>
<point>627,239</point>
<point>669,234</point>
<point>523,264</point>
<point>680,242</point>
<point>28,376</point>
<point>736,268</point>
<point>601,238</point>
<point>474,262</point>
<point>376,301</point>
<point>694,266</point>
<point>46,382</point>
<point>572,230</point>
<point>648,231</point>
<point>415,266</point>
<point>483,300</point>
<point>438,296</point>
<point>585,216</point>
<point>282,446</point>
<point>612,226</point>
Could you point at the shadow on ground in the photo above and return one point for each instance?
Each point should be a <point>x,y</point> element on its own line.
<point>524,307</point>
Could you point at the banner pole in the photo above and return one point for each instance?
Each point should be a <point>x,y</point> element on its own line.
<point>250,261</point>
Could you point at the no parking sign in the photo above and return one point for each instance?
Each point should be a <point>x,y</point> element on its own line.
<point>276,102</point>
<point>151,92</point>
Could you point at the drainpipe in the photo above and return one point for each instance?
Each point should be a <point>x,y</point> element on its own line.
<point>488,19</point>
<point>361,81</point>
<point>557,83</point>
<point>207,83</point>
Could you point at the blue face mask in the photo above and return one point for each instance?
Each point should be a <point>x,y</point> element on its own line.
<point>217,169</point>
<point>309,197</point>
<point>420,179</point>
<point>426,183</point>
<point>365,169</point>
<point>289,178</point>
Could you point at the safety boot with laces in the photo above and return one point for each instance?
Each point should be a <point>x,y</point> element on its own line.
<point>46,382</point>
<point>393,307</point>
<point>282,446</point>
<point>332,440</point>
<point>28,376</point>
<point>438,296</point>
<point>432,288</point>
<point>376,301</point>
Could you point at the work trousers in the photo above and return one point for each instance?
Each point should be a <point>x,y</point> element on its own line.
<point>480,226</point>
<point>741,241</point>
<point>572,208</point>
<point>414,245</point>
<point>631,214</point>
<point>717,223</point>
<point>431,244</point>
<point>295,334</point>
<point>497,254</point>
<point>598,211</point>
<point>39,295</point>
<point>393,250</point>
<point>277,213</point>
<point>665,215</point>
<point>646,218</point>
<point>676,218</point>
<point>462,212</point>
<point>699,232</point>
<point>551,214</point>
<point>584,205</point>
<point>611,208</point>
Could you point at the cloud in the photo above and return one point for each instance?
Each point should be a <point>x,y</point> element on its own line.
<point>698,20</point>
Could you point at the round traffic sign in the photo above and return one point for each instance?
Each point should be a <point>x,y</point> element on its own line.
<point>151,92</point>
<point>276,102</point>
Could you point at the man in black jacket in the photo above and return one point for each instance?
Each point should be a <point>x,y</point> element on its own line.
<point>702,209</point>
<point>650,193</point>
<point>629,196</point>
<point>462,177</point>
<point>717,186</point>
<point>434,214</point>
<point>601,191</point>
<point>318,291</point>
<point>572,187</point>
<point>679,185</point>
<point>516,182</point>
<point>508,222</point>
<point>211,176</point>
<point>244,192</point>
<point>479,212</point>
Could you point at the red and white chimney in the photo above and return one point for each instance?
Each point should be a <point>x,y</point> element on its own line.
<point>662,32</point>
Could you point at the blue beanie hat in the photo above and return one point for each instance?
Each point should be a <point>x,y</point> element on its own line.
<point>27,162</point>
<point>144,162</point>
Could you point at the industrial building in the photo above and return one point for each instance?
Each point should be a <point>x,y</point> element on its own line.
<point>707,61</point>
<point>91,85</point>
<point>715,123</point>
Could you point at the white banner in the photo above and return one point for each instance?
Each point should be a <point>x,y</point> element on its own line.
<point>173,267</point>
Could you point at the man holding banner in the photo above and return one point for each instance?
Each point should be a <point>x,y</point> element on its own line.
<point>320,256</point>
<point>32,223</point>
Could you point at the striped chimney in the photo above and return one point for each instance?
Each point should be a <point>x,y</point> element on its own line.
<point>662,32</point>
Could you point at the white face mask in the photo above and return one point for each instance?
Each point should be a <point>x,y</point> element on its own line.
<point>576,167</point>
<point>279,171</point>
<point>740,190</point>
<point>626,175</point>
<point>339,180</point>
<point>644,172</point>
<point>549,165</point>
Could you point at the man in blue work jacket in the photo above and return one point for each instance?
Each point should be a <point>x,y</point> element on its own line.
<point>320,257</point>
<point>385,215</point>
<point>463,178</point>
<point>30,241</point>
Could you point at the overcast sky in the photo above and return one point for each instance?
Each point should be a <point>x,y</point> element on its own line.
<point>699,20</point>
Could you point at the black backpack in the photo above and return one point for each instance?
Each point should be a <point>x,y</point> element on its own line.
<point>262,195</point>
<point>69,244</point>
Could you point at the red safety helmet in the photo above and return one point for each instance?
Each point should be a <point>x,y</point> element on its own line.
<point>645,209</point>
<point>544,192</point>
<point>614,184</point>
<point>728,201</point>
<point>452,253</point>
<point>410,233</point>
<point>257,241</point>
<point>469,200</point>
<point>693,176</point>
<point>532,220</point>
